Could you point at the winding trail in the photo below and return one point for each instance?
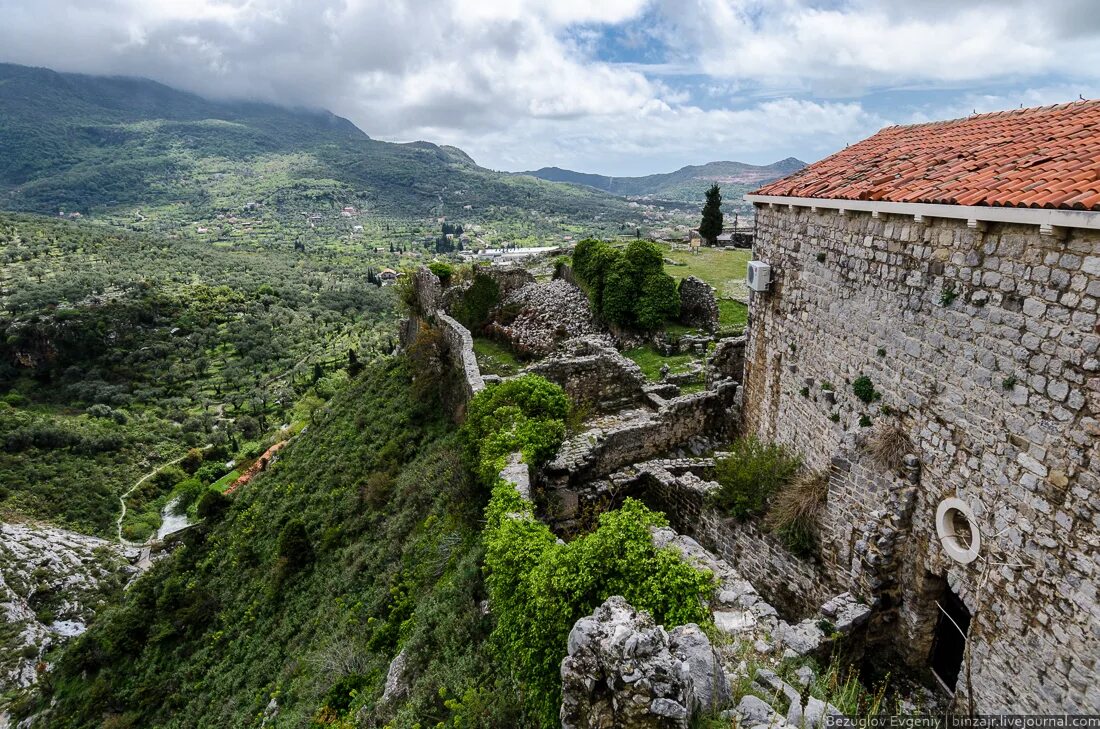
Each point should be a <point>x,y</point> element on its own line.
<point>139,482</point>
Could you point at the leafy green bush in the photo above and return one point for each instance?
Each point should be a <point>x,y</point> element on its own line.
<point>442,270</point>
<point>213,505</point>
<point>864,389</point>
<point>659,301</point>
<point>750,474</point>
<point>294,545</point>
<point>477,301</point>
<point>192,460</point>
<point>525,415</point>
<point>540,588</point>
<point>629,287</point>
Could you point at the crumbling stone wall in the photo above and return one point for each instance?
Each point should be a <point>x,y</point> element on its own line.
<point>461,376</point>
<point>458,348</point>
<point>594,374</point>
<point>984,343</point>
<point>794,585</point>
<point>641,436</point>
<point>727,361</point>
<point>698,304</point>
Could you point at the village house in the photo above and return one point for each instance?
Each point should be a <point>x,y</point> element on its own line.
<point>933,290</point>
<point>387,276</point>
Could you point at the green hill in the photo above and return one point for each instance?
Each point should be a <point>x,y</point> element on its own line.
<point>684,185</point>
<point>104,146</point>
<point>362,539</point>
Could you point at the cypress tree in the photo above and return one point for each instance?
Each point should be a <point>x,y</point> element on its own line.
<point>711,226</point>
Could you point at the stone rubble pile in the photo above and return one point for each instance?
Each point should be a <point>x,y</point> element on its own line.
<point>548,313</point>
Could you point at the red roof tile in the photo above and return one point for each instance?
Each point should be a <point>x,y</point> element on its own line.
<point>1047,157</point>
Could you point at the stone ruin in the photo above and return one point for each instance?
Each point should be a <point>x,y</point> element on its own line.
<point>594,374</point>
<point>623,670</point>
<point>698,304</point>
<point>650,441</point>
<point>537,317</point>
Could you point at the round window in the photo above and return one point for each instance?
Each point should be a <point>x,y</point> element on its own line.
<point>957,529</point>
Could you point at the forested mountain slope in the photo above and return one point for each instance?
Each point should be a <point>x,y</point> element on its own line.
<point>361,539</point>
<point>120,351</point>
<point>94,144</point>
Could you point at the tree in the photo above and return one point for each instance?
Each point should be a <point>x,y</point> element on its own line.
<point>659,302</point>
<point>294,545</point>
<point>192,460</point>
<point>213,505</point>
<point>711,226</point>
<point>619,293</point>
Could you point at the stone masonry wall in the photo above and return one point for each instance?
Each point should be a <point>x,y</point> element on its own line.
<point>594,374</point>
<point>458,347</point>
<point>698,304</point>
<point>983,343</point>
<point>602,450</point>
<point>795,586</point>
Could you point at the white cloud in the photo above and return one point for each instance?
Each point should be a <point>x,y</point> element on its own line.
<point>851,47</point>
<point>519,83</point>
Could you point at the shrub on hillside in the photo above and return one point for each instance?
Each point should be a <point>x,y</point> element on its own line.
<point>212,506</point>
<point>294,545</point>
<point>750,474</point>
<point>525,414</point>
<point>192,460</point>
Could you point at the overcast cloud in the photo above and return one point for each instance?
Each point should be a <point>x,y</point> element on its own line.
<point>611,86</point>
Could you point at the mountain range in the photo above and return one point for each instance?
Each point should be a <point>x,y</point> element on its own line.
<point>73,142</point>
<point>684,185</point>
<point>94,144</point>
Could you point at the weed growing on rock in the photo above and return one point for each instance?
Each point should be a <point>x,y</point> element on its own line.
<point>794,512</point>
<point>750,474</point>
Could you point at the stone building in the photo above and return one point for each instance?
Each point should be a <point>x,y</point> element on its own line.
<point>934,293</point>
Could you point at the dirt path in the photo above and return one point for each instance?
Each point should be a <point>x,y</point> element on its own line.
<point>139,482</point>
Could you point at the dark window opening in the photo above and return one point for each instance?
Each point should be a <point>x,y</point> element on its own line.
<point>949,643</point>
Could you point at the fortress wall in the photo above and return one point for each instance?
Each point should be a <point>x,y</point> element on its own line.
<point>983,345</point>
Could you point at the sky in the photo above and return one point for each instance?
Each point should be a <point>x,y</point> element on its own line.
<point>618,87</point>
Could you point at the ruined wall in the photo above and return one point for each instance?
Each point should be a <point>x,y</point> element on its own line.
<point>727,361</point>
<point>594,375</point>
<point>641,436</point>
<point>795,586</point>
<point>984,345</point>
<point>461,378</point>
<point>698,304</point>
<point>458,347</point>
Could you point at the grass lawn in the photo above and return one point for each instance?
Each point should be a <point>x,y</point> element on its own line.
<point>650,360</point>
<point>494,358</point>
<point>732,315</point>
<point>722,268</point>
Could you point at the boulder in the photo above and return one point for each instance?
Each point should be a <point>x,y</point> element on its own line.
<point>709,686</point>
<point>754,711</point>
<point>397,684</point>
<point>624,670</point>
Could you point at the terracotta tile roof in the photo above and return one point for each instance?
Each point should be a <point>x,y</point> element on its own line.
<point>1047,157</point>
